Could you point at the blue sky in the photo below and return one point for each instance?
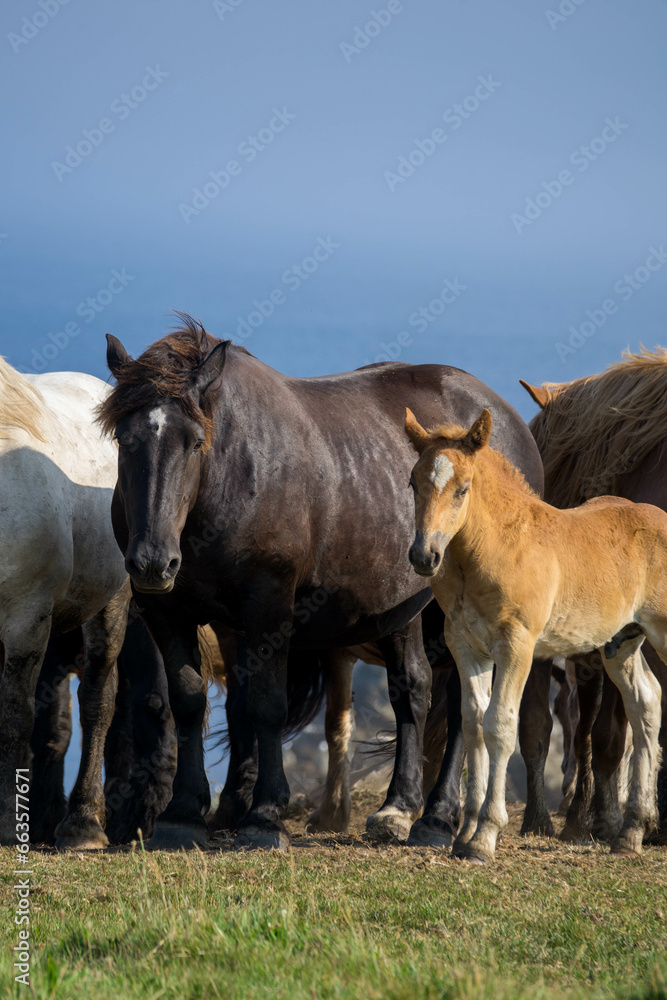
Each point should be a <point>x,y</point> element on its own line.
<point>316,115</point>
<point>465,182</point>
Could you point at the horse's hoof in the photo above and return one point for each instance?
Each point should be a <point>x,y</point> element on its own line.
<point>627,846</point>
<point>333,822</point>
<point>474,855</point>
<point>172,837</point>
<point>254,838</point>
<point>86,835</point>
<point>430,832</point>
<point>388,825</point>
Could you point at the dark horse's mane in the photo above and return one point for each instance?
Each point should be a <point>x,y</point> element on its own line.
<point>166,370</point>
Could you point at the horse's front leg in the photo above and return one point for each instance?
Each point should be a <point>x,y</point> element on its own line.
<point>409,676</point>
<point>513,661</point>
<point>83,824</point>
<point>442,815</point>
<point>641,697</point>
<point>182,824</point>
<point>236,796</point>
<point>25,640</point>
<point>263,663</point>
<point>476,678</point>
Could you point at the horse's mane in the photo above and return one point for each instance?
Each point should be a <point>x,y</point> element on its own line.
<point>20,403</point>
<point>596,429</point>
<point>166,370</point>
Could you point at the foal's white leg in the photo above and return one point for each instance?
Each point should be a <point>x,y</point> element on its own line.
<point>476,681</point>
<point>513,663</point>
<point>641,695</point>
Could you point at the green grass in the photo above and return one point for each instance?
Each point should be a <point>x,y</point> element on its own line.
<point>345,921</point>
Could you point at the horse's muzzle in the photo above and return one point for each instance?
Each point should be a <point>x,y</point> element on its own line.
<point>426,554</point>
<point>152,572</point>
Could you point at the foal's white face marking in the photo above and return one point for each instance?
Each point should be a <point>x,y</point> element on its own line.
<point>157,418</point>
<point>441,473</point>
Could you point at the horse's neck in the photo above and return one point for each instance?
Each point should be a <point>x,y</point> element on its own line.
<point>499,502</point>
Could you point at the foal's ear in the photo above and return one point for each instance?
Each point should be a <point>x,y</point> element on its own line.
<point>480,432</point>
<point>418,436</point>
<point>210,368</point>
<point>537,393</point>
<point>117,356</point>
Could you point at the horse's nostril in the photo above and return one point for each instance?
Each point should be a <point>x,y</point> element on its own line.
<point>174,565</point>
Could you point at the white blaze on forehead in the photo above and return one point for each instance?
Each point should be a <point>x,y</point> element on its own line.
<point>157,418</point>
<point>442,472</point>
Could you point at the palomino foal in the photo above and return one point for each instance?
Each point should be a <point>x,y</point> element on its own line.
<point>519,579</point>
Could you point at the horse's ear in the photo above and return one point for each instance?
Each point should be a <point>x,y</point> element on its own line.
<point>210,369</point>
<point>537,393</point>
<point>418,436</point>
<point>480,432</point>
<point>117,356</point>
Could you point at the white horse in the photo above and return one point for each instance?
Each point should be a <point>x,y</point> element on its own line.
<point>60,567</point>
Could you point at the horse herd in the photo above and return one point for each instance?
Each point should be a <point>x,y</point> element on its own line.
<point>306,523</point>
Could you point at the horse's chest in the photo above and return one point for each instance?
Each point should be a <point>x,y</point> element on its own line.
<point>467,607</point>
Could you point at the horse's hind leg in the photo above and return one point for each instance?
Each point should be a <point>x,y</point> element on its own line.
<point>333,813</point>
<point>25,642</point>
<point>51,736</point>
<point>409,676</point>
<point>589,694</point>
<point>535,725</point>
<point>660,671</point>
<point>641,697</point>
<point>608,747</point>
<point>83,825</point>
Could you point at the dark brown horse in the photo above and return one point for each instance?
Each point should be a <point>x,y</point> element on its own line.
<point>605,434</point>
<point>279,507</point>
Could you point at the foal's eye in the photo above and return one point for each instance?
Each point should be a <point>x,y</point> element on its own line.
<point>198,445</point>
<point>462,490</point>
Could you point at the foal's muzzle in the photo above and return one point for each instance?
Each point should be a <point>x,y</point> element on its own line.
<point>426,554</point>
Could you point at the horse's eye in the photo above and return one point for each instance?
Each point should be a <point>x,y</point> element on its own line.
<point>198,445</point>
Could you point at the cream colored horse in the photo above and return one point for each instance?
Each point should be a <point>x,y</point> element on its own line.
<point>518,579</point>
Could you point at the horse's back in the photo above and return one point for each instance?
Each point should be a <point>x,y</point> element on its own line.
<point>437,393</point>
